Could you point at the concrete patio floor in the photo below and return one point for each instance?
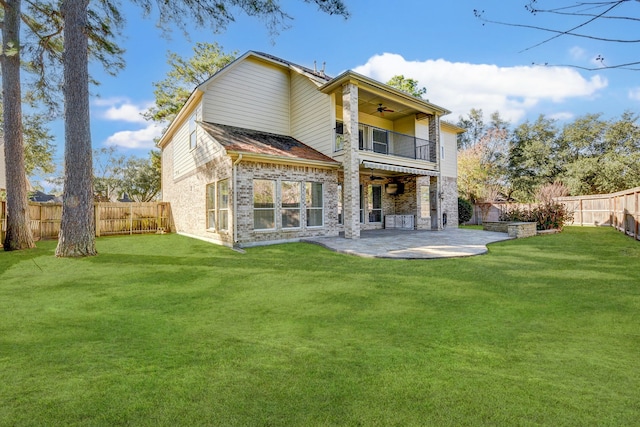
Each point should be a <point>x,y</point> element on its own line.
<point>413,244</point>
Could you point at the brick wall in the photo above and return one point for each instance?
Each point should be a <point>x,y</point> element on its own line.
<point>450,200</point>
<point>188,197</point>
<point>248,171</point>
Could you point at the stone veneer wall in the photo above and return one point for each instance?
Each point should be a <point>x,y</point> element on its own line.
<point>402,204</point>
<point>422,223</point>
<point>248,171</point>
<point>450,200</point>
<point>516,230</point>
<point>407,202</point>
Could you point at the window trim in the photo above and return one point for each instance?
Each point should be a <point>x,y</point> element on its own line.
<point>211,206</point>
<point>272,209</point>
<point>371,209</point>
<point>219,208</point>
<point>309,203</point>
<point>377,145</point>
<point>285,209</point>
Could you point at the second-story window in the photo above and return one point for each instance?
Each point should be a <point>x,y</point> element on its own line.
<point>380,141</point>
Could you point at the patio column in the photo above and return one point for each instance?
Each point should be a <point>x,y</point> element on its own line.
<point>436,184</point>
<point>351,162</point>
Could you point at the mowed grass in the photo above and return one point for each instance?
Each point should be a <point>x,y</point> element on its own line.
<point>163,330</point>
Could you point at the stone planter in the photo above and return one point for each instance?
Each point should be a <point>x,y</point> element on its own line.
<point>515,230</point>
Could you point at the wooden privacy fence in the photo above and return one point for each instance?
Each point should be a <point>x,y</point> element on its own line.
<point>620,210</point>
<point>110,218</point>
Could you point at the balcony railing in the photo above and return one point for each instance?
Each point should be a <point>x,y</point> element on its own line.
<point>391,143</point>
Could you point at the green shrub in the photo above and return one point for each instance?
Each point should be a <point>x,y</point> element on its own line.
<point>547,216</point>
<point>465,211</point>
<point>515,214</point>
<point>551,215</point>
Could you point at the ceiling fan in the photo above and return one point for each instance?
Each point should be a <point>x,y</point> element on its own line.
<point>382,109</point>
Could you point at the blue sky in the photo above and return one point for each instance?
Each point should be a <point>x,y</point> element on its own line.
<point>462,63</point>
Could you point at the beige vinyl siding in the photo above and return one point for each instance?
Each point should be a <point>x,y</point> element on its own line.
<point>183,161</point>
<point>405,125</point>
<point>450,144</point>
<point>422,129</point>
<point>311,118</point>
<point>251,94</point>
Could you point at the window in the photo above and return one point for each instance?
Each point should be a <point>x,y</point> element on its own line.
<point>442,152</point>
<point>291,194</point>
<point>264,207</point>
<point>375,203</point>
<point>380,141</point>
<point>211,206</point>
<point>315,204</point>
<point>193,140</point>
<point>223,204</point>
<point>339,136</point>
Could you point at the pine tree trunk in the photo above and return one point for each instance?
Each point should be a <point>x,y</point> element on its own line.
<point>18,234</point>
<point>77,228</point>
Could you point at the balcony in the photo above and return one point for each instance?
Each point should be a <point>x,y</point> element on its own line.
<point>390,143</point>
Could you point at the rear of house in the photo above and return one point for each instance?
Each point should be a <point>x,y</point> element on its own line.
<point>268,151</point>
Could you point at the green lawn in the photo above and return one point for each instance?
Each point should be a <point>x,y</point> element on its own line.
<point>166,330</point>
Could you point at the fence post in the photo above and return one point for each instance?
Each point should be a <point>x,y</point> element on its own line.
<point>96,212</point>
<point>636,216</point>
<point>131,218</point>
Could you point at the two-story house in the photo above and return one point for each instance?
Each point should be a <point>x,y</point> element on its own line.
<point>267,151</point>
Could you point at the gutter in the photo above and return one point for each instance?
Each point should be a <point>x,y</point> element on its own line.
<point>234,172</point>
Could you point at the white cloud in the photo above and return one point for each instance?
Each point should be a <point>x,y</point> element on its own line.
<point>121,109</point>
<point>141,138</point>
<point>634,94</point>
<point>459,87</point>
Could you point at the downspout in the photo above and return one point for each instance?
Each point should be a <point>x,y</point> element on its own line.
<point>235,198</point>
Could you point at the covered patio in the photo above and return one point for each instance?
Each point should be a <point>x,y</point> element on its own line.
<point>413,244</point>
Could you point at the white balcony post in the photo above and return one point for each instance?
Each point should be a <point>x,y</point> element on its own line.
<point>351,161</point>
